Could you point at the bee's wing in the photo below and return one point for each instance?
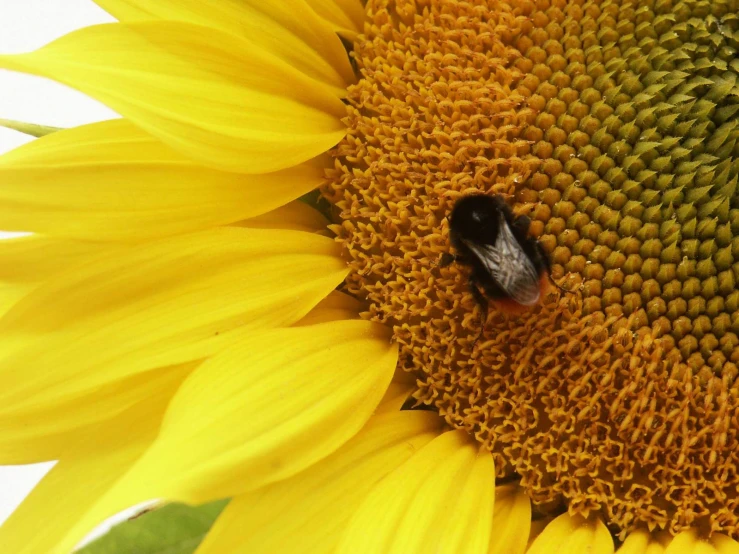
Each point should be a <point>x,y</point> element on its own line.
<point>509,266</point>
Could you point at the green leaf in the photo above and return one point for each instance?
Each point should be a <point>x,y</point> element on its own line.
<point>28,128</point>
<point>171,529</point>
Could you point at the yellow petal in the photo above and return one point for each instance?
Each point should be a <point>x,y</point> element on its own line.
<point>88,331</point>
<point>307,513</point>
<point>339,306</point>
<point>440,500</point>
<point>690,542</point>
<point>296,215</point>
<point>112,180</point>
<point>238,403</point>
<point>724,544</point>
<point>537,526</point>
<point>511,521</point>
<point>573,535</point>
<point>211,95</point>
<point>42,523</point>
<point>27,260</point>
<point>289,29</point>
<point>399,391</point>
<point>395,396</point>
<point>115,414</point>
<point>11,293</point>
<point>644,542</point>
<point>346,16</point>
<point>265,409</point>
<point>336,306</point>
<point>36,258</point>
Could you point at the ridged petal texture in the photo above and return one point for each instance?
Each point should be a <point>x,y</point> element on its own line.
<point>28,260</point>
<point>209,94</point>
<point>289,29</point>
<point>87,346</point>
<point>689,542</point>
<point>114,181</point>
<point>298,393</point>
<point>511,521</point>
<point>573,535</point>
<point>33,258</point>
<point>248,417</point>
<point>440,500</point>
<point>308,512</point>
<point>11,293</point>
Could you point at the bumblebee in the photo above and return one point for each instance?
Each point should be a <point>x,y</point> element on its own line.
<point>508,266</point>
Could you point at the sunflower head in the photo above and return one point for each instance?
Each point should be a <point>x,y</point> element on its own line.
<point>172,329</point>
<point>614,126</point>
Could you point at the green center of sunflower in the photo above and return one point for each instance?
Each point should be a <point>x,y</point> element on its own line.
<point>615,127</point>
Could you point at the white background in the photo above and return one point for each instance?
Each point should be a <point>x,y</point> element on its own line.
<point>25,25</point>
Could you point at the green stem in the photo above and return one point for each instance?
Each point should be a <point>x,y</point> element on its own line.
<point>28,128</point>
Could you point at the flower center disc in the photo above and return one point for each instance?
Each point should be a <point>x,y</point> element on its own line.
<point>615,127</point>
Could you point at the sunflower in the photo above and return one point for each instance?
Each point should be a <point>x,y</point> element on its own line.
<point>178,327</point>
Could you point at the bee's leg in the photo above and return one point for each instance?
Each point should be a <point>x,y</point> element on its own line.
<point>447,259</point>
<point>482,301</point>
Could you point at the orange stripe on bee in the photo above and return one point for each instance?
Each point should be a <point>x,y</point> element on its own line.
<point>511,307</point>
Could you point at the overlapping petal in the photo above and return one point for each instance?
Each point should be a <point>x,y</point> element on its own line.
<point>346,16</point>
<point>511,520</point>
<point>28,260</point>
<point>724,545</point>
<point>690,542</point>
<point>96,332</point>
<point>573,535</point>
<point>290,29</point>
<point>296,215</point>
<point>114,414</point>
<point>396,395</point>
<point>440,500</point>
<point>211,95</point>
<point>336,306</point>
<point>644,542</point>
<point>36,258</point>
<point>263,410</point>
<point>112,180</point>
<point>537,526</point>
<point>308,512</point>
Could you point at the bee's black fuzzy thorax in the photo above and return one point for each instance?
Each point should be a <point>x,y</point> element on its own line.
<point>476,218</point>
